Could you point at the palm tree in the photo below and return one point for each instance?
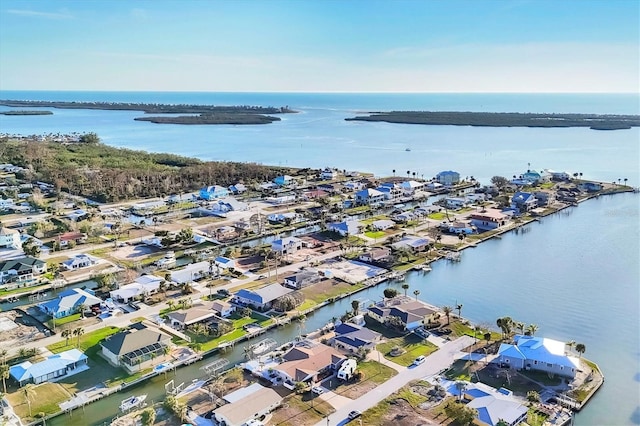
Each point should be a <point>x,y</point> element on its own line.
<point>355,305</point>
<point>625,181</point>
<point>3,355</point>
<point>170,304</point>
<point>520,326</point>
<point>29,392</point>
<point>416,293</point>
<point>78,332</point>
<point>571,344</point>
<point>66,334</point>
<point>4,374</point>
<point>532,329</point>
<point>81,308</point>
<point>394,172</point>
<point>405,287</point>
<point>581,348</point>
<point>447,311</point>
<point>505,324</point>
<point>460,386</point>
<point>459,309</point>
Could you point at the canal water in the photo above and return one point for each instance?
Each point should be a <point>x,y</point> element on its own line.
<point>575,274</point>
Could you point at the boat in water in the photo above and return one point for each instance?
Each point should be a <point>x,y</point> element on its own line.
<point>163,367</point>
<point>132,402</point>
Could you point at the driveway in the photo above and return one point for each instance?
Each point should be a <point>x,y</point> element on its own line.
<point>336,401</point>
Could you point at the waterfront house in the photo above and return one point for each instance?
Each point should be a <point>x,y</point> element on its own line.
<point>369,197</point>
<point>411,187</point>
<point>329,174</point>
<point>238,188</point>
<point>185,318</point>
<point>283,180</point>
<point>227,204</point>
<point>21,272</point>
<point>435,186</point>
<point>308,362</point>
<point>282,199</point>
<point>134,348</point>
<point>315,194</point>
<point>524,201</point>
<point>224,263</point>
<point>9,238</point>
<point>222,309</point>
<point>287,245</point>
<point>537,353</point>
<point>77,215</point>
<point>494,406</point>
<point>559,176</point>
<point>53,367</point>
<point>247,404</point>
<point>79,261</point>
<point>69,302</point>
<point>349,227</point>
<point>488,219</point>
<point>148,207</point>
<point>412,243</point>
<point>353,186</point>
<point>532,176</point>
<point>455,203</point>
<point>286,218</point>
<point>302,279</point>
<point>143,286</point>
<point>191,272</point>
<point>457,228</point>
<point>410,314</point>
<point>544,197</point>
<point>382,224</point>
<point>64,240</point>
<point>331,188</point>
<point>448,177</point>
<point>590,186</point>
<point>352,337</point>
<point>261,298</point>
<point>376,255</point>
<point>213,192</point>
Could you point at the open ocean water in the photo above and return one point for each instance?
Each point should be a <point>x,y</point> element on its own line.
<point>575,274</point>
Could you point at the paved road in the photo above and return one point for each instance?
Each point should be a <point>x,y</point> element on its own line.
<point>435,363</point>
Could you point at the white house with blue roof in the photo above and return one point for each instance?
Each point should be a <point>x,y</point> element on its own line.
<point>261,298</point>
<point>214,191</point>
<point>349,227</point>
<point>69,302</point>
<point>538,353</point>
<point>494,405</point>
<point>369,196</point>
<point>524,201</point>
<point>54,367</point>
<point>287,245</point>
<point>283,180</point>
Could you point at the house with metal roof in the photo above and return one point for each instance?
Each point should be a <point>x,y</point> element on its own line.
<point>287,245</point>
<point>79,261</point>
<point>135,347</point>
<point>261,298</point>
<point>353,337</point>
<point>9,238</point>
<point>538,353</point>
<point>21,272</point>
<point>412,243</point>
<point>349,227</point>
<point>448,177</point>
<point>303,279</point>
<point>494,405</point>
<point>212,192</point>
<point>54,367</point>
<point>246,404</point>
<point>410,313</point>
<point>185,318</point>
<point>70,302</point>
<point>144,285</point>
<point>369,196</point>
<point>524,201</point>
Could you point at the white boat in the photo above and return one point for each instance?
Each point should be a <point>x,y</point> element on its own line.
<point>163,367</point>
<point>426,268</point>
<point>260,348</point>
<point>132,402</point>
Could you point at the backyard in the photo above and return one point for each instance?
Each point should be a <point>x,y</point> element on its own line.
<point>412,345</point>
<point>45,399</point>
<point>301,410</point>
<point>328,289</point>
<point>373,374</point>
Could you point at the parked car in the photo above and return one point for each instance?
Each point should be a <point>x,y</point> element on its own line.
<point>317,390</point>
<point>354,414</point>
<point>419,360</point>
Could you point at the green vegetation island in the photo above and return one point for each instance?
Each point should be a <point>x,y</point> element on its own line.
<point>26,112</point>
<point>504,119</point>
<point>208,114</point>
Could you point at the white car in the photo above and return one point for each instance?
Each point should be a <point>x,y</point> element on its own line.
<point>419,360</point>
<point>317,390</point>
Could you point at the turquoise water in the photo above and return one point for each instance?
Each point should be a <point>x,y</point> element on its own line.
<point>576,275</point>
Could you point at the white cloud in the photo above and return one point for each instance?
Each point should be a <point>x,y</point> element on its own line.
<point>38,14</point>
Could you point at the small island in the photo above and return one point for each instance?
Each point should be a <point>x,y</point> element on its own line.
<point>26,112</point>
<point>504,119</point>
<point>202,114</point>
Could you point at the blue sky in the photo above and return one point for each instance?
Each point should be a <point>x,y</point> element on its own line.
<point>321,46</point>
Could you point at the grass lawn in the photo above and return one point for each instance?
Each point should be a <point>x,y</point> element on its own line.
<point>66,320</point>
<point>437,216</point>
<point>307,304</point>
<point>328,289</point>
<point>413,346</point>
<point>46,400</point>
<point>301,410</point>
<point>375,234</point>
<point>375,414</point>
<point>21,290</point>
<point>88,342</point>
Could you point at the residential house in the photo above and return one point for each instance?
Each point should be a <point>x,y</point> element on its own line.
<point>329,174</point>
<point>53,367</point>
<point>559,176</point>
<point>524,201</point>
<point>434,186</point>
<point>448,177</point>
<point>412,243</point>
<point>185,318</point>
<point>376,255</point>
<point>69,302</point>
<point>71,238</point>
<point>382,224</point>
<point>79,261</point>
<point>283,180</point>
<point>222,309</point>
<point>6,203</point>
<point>409,314</point>
<point>148,207</point>
<point>590,186</point>
<point>544,198</point>
<point>238,188</point>
<point>213,192</point>
<point>538,353</point>
<point>308,362</point>
<point>261,298</point>
<point>135,347</point>
<point>9,238</point>
<point>21,271</point>
<point>302,279</point>
<point>457,228</point>
<point>228,204</point>
<point>494,406</point>
<point>488,219</point>
<point>331,188</point>
<point>353,186</point>
<point>143,286</point>
<point>391,191</point>
<point>224,262</point>
<point>532,176</point>
<point>282,199</point>
<point>455,203</point>
<point>411,187</point>
<point>287,218</point>
<point>191,272</point>
<point>369,197</point>
<point>77,215</point>
<point>353,337</point>
<point>287,245</point>
<point>350,227</point>
<point>247,404</point>
<point>315,194</point>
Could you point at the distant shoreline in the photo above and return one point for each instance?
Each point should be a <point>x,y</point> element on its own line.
<point>503,119</point>
<point>208,114</point>
<point>25,112</point>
